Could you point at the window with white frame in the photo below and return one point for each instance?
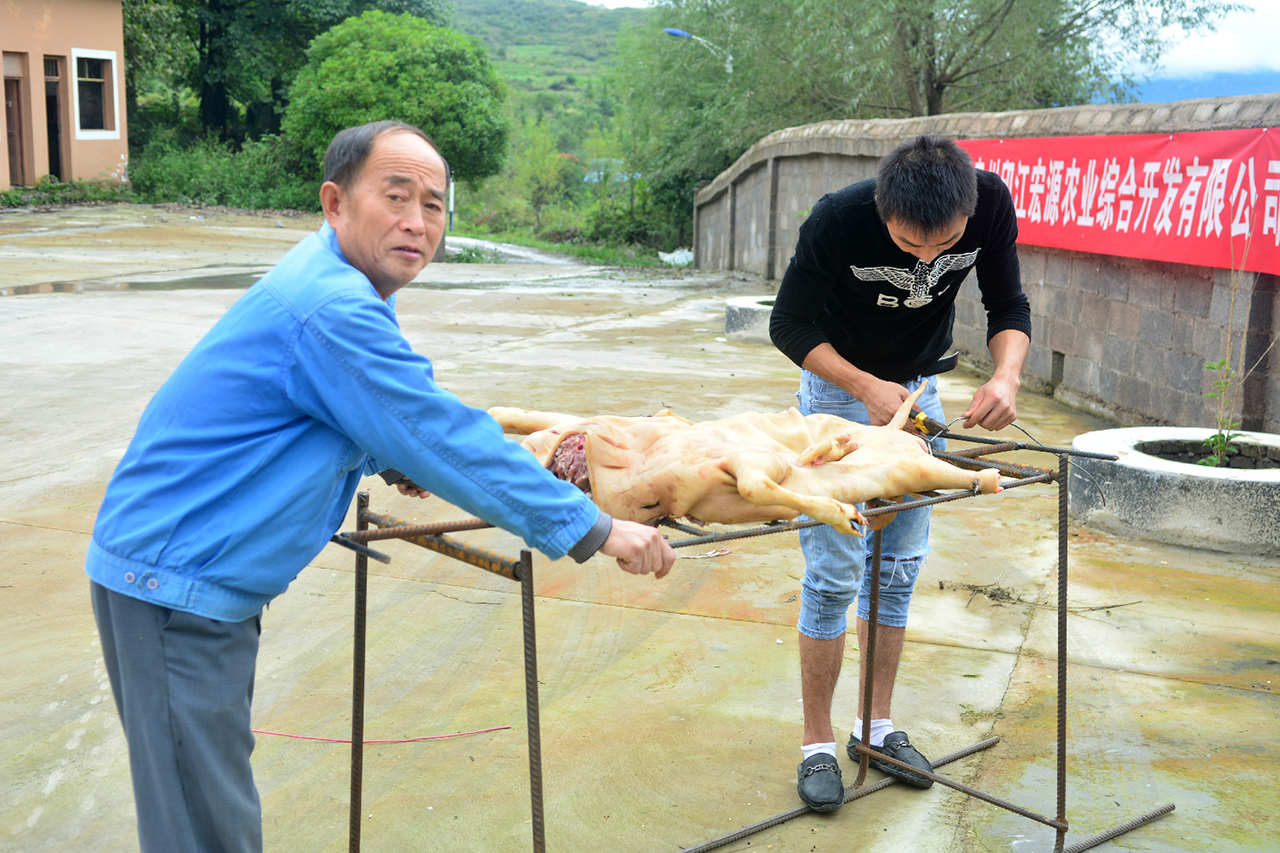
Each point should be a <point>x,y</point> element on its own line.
<point>97,107</point>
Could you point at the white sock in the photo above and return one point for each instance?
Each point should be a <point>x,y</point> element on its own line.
<point>812,749</point>
<point>879,729</point>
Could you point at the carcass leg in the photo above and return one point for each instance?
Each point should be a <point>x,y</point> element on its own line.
<point>758,488</point>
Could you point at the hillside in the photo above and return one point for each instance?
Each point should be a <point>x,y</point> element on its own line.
<point>552,54</point>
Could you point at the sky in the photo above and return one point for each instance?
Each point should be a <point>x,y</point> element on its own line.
<point>1240,58</point>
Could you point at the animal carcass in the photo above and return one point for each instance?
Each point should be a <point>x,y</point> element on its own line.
<point>744,468</point>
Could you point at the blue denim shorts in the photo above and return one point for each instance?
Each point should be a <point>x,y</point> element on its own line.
<point>837,565</point>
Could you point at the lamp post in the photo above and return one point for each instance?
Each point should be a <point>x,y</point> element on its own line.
<point>715,51</point>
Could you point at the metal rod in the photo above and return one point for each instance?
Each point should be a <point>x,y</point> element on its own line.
<point>468,554</point>
<point>404,529</point>
<point>869,664</point>
<point>851,793</point>
<point>357,680</point>
<point>982,449</point>
<point>525,573</point>
<point>788,526</point>
<point>1009,469</point>
<point>1064,471</point>
<point>345,541</point>
<point>1115,832</point>
<point>684,528</point>
<point>1059,824</point>
<point>1021,445</point>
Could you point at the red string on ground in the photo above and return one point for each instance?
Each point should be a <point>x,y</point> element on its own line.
<point>403,740</point>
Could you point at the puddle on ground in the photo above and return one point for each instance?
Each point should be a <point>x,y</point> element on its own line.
<point>588,281</point>
<point>216,281</point>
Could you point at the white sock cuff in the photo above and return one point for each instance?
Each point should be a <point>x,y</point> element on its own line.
<point>879,730</point>
<point>812,749</point>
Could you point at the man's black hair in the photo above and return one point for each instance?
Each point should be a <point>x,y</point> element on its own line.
<point>351,147</point>
<point>925,183</point>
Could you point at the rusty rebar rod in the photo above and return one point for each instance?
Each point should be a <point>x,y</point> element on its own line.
<point>851,793</point>
<point>1117,831</point>
<point>1064,470</point>
<point>1009,469</point>
<point>357,681</point>
<point>869,664</point>
<point>469,554</point>
<point>1059,824</point>
<point>531,701</point>
<point>403,529</point>
<point>788,526</point>
<point>1006,445</point>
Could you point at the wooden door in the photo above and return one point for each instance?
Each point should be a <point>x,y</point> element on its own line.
<point>13,119</point>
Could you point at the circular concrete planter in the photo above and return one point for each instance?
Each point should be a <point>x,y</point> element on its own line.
<point>746,318</point>
<point>1221,509</point>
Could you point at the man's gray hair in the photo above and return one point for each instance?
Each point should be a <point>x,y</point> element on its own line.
<point>351,147</point>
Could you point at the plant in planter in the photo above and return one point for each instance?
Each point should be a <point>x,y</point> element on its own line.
<point>1219,444</point>
<point>1227,382</point>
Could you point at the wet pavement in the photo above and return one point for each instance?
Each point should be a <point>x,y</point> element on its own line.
<point>670,709</point>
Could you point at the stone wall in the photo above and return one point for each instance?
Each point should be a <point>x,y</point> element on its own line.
<point>1127,339</point>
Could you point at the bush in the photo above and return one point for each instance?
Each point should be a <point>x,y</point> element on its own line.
<point>381,66</point>
<point>615,224</point>
<point>268,173</point>
<point>471,255</point>
<point>49,190</point>
<point>164,115</point>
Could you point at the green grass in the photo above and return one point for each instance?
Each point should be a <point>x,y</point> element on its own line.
<point>51,191</point>
<point>613,256</point>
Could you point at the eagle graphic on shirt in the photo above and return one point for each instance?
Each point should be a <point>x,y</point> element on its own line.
<point>920,281</point>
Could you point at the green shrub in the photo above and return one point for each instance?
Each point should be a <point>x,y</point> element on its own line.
<point>269,173</point>
<point>49,190</point>
<point>381,66</point>
<point>613,223</point>
<point>471,255</point>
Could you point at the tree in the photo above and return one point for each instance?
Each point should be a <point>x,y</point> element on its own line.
<point>928,57</point>
<point>153,44</point>
<point>381,66</point>
<point>239,56</point>
<point>545,175</point>
<point>762,65</point>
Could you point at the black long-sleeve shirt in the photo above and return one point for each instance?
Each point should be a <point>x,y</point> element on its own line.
<point>882,309</point>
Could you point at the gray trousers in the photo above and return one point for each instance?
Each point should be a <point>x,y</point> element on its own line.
<point>183,685</point>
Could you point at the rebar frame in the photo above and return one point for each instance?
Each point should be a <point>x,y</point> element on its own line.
<point>432,537</point>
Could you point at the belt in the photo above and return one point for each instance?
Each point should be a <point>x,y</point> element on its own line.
<point>942,365</point>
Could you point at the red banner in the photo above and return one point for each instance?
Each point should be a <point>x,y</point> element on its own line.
<point>1210,198</point>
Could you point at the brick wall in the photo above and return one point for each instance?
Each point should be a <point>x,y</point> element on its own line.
<point>1124,338</point>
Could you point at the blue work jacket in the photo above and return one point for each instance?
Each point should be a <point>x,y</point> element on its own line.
<point>247,458</point>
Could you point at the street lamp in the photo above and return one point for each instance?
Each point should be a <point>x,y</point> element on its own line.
<point>715,51</point>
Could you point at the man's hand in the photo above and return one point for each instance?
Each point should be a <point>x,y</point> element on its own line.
<point>883,401</point>
<point>881,398</point>
<point>994,406</point>
<point>639,549</point>
<point>410,489</point>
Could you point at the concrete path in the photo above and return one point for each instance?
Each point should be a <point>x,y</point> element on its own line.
<point>670,709</point>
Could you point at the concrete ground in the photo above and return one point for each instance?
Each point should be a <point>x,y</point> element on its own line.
<point>670,709</point>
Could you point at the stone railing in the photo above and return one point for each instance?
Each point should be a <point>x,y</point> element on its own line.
<point>1125,338</point>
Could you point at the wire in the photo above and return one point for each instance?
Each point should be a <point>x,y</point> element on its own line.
<point>403,740</point>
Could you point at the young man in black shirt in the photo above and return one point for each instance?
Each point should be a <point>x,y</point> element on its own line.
<point>866,309</point>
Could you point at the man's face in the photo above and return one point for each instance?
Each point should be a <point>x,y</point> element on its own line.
<point>391,217</point>
<point>924,246</point>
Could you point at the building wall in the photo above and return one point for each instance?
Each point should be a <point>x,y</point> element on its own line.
<point>1125,338</point>
<point>66,31</point>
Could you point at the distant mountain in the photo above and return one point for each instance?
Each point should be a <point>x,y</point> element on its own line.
<point>578,28</point>
<point>552,54</point>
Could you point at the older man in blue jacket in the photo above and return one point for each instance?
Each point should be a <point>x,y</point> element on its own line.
<point>246,460</point>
